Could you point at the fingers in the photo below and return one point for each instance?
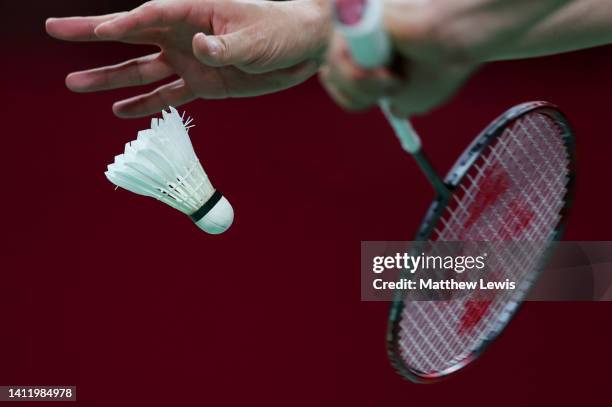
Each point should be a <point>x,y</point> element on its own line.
<point>222,83</point>
<point>77,28</point>
<point>83,29</point>
<point>337,95</point>
<point>351,86</point>
<point>135,72</point>
<point>223,50</point>
<point>149,15</point>
<point>172,94</point>
<point>232,83</point>
<point>430,85</point>
<point>242,84</point>
<point>421,86</point>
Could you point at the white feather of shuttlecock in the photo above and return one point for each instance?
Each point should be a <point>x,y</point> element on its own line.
<point>162,164</point>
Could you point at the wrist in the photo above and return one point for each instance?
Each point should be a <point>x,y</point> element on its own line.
<point>316,23</point>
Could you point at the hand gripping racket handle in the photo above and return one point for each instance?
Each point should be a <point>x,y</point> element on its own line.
<point>361,23</point>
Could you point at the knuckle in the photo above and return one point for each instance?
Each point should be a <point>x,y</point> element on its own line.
<point>224,51</point>
<point>261,53</point>
<point>356,75</point>
<point>133,69</point>
<point>324,75</point>
<point>150,5</point>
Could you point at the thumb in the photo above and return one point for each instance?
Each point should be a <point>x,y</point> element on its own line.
<point>222,50</point>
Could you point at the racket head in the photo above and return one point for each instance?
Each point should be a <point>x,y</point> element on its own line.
<point>537,128</point>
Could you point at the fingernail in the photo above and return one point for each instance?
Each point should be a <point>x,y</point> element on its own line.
<point>117,110</point>
<point>214,48</point>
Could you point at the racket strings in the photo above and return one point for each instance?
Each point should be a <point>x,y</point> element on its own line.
<point>514,193</point>
<point>469,194</point>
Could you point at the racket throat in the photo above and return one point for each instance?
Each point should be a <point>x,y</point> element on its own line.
<point>432,176</point>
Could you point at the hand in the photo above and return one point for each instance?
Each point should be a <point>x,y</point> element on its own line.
<point>218,48</point>
<point>412,86</point>
<point>438,44</point>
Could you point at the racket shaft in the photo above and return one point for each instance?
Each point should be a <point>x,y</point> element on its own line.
<point>432,176</point>
<point>403,129</point>
<point>370,47</point>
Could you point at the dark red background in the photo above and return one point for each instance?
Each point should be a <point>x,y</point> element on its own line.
<point>126,299</point>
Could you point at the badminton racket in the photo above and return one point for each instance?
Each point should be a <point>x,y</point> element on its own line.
<point>513,183</point>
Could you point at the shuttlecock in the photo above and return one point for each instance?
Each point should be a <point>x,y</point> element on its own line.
<point>161,164</point>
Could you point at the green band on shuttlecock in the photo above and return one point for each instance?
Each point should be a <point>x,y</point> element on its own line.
<point>200,213</point>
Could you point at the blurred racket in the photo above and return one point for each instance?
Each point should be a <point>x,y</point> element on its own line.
<point>512,184</point>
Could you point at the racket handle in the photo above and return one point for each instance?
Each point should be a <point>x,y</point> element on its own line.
<point>361,23</point>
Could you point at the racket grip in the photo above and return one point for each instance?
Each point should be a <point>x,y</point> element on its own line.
<point>361,23</point>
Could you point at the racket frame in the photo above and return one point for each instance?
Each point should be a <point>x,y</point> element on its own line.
<point>444,193</point>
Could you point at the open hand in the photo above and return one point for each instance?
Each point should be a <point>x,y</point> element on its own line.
<point>217,48</point>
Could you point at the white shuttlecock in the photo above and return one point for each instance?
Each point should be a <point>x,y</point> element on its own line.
<point>161,164</point>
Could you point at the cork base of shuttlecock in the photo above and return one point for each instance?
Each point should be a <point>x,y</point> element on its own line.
<point>218,219</point>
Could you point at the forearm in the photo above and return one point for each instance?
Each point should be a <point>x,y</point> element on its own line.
<point>477,29</point>
<point>580,24</point>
